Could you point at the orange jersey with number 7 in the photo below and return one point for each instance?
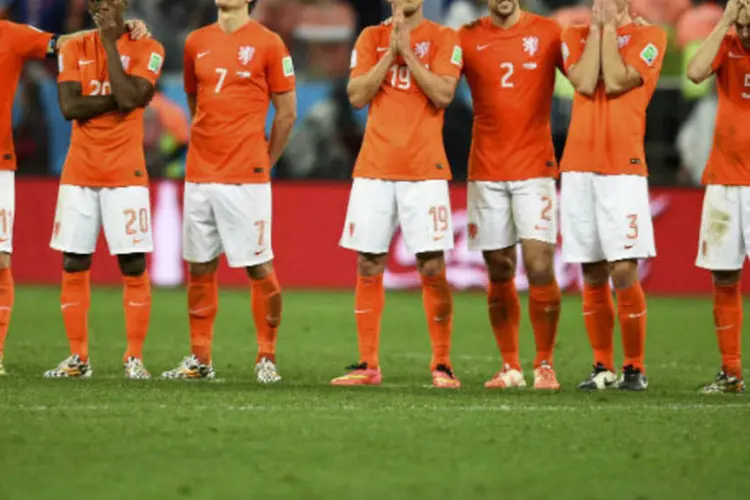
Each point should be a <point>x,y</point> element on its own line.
<point>404,134</point>
<point>729,163</point>
<point>18,43</point>
<point>511,73</point>
<point>606,133</point>
<point>233,76</point>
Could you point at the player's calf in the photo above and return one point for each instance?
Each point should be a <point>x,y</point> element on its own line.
<point>266,304</point>
<point>7,299</point>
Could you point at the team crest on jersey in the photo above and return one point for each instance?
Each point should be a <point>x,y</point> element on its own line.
<point>246,54</point>
<point>422,49</point>
<point>623,41</point>
<point>531,45</point>
<point>125,60</point>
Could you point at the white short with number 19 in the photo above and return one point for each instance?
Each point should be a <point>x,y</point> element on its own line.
<point>123,212</point>
<point>7,209</point>
<point>377,207</point>
<point>233,219</point>
<point>605,218</point>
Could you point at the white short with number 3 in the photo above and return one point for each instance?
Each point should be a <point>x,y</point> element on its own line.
<point>725,228</point>
<point>7,209</point>
<point>605,217</point>
<point>123,212</point>
<point>502,213</point>
<point>233,219</point>
<point>377,207</point>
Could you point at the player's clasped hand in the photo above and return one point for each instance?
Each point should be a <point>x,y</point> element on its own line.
<point>105,20</point>
<point>609,12</point>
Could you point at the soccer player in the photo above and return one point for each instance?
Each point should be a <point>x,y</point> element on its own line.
<point>725,225</point>
<point>234,69</point>
<point>106,80</point>
<point>406,70</point>
<point>510,60</point>
<point>614,64</point>
<point>19,43</point>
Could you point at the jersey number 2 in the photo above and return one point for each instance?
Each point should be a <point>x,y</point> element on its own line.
<point>508,72</point>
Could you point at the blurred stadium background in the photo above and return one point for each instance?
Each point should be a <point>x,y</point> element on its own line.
<point>320,34</point>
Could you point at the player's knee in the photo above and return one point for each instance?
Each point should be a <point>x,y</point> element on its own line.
<point>371,264</point>
<point>203,268</point>
<point>75,263</point>
<point>132,264</point>
<point>431,264</point>
<point>261,271</point>
<point>726,278</point>
<point>596,274</point>
<point>539,270</point>
<point>500,266</point>
<point>624,273</point>
<point>4,260</point>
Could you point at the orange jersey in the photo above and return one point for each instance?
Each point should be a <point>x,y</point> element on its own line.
<point>18,42</point>
<point>729,163</point>
<point>606,134</point>
<point>511,73</point>
<point>233,76</point>
<point>404,135</point>
<point>107,151</point>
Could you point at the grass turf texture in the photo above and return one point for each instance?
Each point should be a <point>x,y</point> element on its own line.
<point>111,438</point>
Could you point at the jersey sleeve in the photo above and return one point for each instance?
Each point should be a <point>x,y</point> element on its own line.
<point>149,61</point>
<point>67,63</point>
<point>556,47</point>
<point>647,53</point>
<point>449,57</point>
<point>721,56</point>
<point>29,42</point>
<point>279,67</point>
<point>188,76</point>
<point>365,54</point>
<point>571,48</point>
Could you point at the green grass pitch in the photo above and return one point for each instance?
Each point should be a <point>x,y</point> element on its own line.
<point>107,438</point>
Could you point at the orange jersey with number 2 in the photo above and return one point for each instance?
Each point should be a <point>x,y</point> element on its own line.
<point>404,135</point>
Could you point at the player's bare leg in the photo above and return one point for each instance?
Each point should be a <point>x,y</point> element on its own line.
<point>504,309</point>
<point>599,318</point>
<point>544,308</point>
<point>369,299</point>
<point>7,297</point>
<point>631,309</point>
<point>203,304</point>
<point>137,303</point>
<point>75,300</point>
<point>728,325</point>
<point>266,305</point>
<point>437,299</point>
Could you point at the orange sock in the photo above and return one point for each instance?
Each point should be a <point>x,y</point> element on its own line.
<point>7,296</point>
<point>137,302</point>
<point>203,303</point>
<point>728,321</point>
<point>437,300</point>
<point>505,317</point>
<point>369,300</point>
<point>599,317</point>
<point>74,302</point>
<point>544,310</point>
<point>266,306</point>
<point>631,308</point>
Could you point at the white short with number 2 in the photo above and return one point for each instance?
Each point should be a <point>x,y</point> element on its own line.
<point>123,212</point>
<point>502,213</point>
<point>7,209</point>
<point>605,217</point>
<point>377,207</point>
<point>725,228</point>
<point>233,219</point>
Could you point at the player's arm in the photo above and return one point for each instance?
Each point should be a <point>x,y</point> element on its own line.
<point>706,61</point>
<point>130,92</point>
<point>367,73</point>
<point>281,83</point>
<point>189,79</point>
<point>584,69</point>
<point>439,82</point>
<point>75,106</point>
<point>618,77</point>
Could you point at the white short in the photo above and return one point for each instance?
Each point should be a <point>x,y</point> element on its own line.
<point>725,228</point>
<point>502,213</point>
<point>7,209</point>
<point>377,207</point>
<point>233,219</point>
<point>124,212</point>
<point>605,217</point>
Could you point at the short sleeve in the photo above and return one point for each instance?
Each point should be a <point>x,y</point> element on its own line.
<point>721,56</point>
<point>279,67</point>
<point>29,42</point>
<point>647,53</point>
<point>189,79</point>
<point>449,57</point>
<point>571,48</point>
<point>67,62</point>
<point>148,61</point>
<point>364,55</point>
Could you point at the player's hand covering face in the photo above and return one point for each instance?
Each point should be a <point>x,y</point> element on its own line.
<point>137,29</point>
<point>106,14</point>
<point>742,23</point>
<point>408,7</point>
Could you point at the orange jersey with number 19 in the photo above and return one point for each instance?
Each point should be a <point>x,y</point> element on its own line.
<point>404,135</point>
<point>511,73</point>
<point>729,163</point>
<point>233,76</point>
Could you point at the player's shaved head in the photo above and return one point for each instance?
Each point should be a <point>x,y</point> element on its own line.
<point>503,8</point>
<point>742,26</point>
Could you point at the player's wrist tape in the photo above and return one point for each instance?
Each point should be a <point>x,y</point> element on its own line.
<point>52,46</point>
